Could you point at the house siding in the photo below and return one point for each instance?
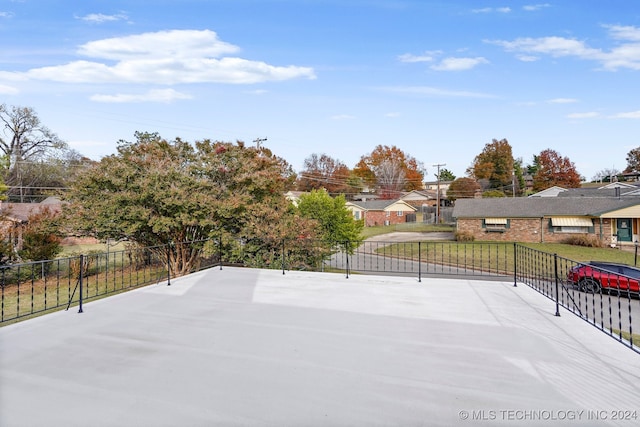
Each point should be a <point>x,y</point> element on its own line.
<point>529,230</point>
<point>373,218</point>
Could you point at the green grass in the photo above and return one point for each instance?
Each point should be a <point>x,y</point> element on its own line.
<point>627,336</point>
<point>70,250</point>
<point>499,257</point>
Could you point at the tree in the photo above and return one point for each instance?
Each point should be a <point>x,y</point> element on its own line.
<point>495,165</point>
<point>493,194</point>
<point>156,192</point>
<point>335,221</point>
<point>391,170</point>
<point>605,175</point>
<point>462,188</point>
<point>446,175</point>
<point>633,160</point>
<point>555,170</point>
<point>23,137</point>
<point>40,237</point>
<point>323,171</point>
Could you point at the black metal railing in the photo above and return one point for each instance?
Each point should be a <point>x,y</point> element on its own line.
<point>602,297</point>
<point>33,288</point>
<point>36,287</point>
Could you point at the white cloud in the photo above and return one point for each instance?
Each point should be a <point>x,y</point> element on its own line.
<point>436,92</point>
<point>562,101</point>
<point>459,64</point>
<point>8,90</point>
<point>629,115</point>
<point>6,15</point>
<point>407,57</point>
<point>534,7</point>
<point>155,95</point>
<point>589,115</point>
<point>342,117</point>
<point>527,58</point>
<point>166,57</point>
<point>492,9</point>
<point>99,18</point>
<point>393,114</point>
<point>624,55</point>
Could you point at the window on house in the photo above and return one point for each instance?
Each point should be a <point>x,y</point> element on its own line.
<point>571,225</point>
<point>400,213</point>
<point>356,214</point>
<point>388,213</point>
<point>495,224</point>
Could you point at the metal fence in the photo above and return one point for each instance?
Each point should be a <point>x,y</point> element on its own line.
<point>608,300</point>
<point>37,287</point>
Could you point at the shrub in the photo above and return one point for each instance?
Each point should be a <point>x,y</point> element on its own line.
<point>583,240</point>
<point>464,236</point>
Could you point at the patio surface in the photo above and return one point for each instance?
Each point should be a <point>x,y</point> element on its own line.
<point>248,347</point>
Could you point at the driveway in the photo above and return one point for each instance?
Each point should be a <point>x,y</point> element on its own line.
<point>409,236</point>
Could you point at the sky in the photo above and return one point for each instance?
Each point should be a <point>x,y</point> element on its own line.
<point>437,79</point>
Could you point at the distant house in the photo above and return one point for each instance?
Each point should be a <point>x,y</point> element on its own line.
<point>419,198</point>
<point>293,196</point>
<point>15,216</point>
<point>612,220</point>
<point>382,212</point>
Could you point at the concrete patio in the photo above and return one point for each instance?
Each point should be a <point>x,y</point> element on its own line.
<point>247,347</point>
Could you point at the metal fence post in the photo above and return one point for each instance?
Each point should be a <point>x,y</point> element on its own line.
<point>515,265</point>
<point>419,262</point>
<point>80,283</point>
<point>283,256</point>
<point>346,250</point>
<point>169,264</point>
<point>555,273</point>
<point>220,250</point>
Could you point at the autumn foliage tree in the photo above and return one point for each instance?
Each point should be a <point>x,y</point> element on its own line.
<point>553,169</point>
<point>155,192</point>
<point>633,160</point>
<point>41,236</point>
<point>391,170</point>
<point>323,171</point>
<point>462,188</point>
<point>494,165</point>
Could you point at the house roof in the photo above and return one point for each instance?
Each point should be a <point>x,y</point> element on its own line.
<point>20,212</point>
<point>525,207</point>
<point>380,205</point>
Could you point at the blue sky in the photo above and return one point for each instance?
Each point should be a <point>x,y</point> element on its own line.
<point>438,79</point>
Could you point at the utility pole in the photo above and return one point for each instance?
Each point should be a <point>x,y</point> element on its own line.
<point>259,141</point>
<point>438,191</point>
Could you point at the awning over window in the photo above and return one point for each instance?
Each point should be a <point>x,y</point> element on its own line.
<point>495,221</point>
<point>572,221</point>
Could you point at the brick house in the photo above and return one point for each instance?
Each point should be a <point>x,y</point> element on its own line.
<point>381,212</point>
<point>614,221</point>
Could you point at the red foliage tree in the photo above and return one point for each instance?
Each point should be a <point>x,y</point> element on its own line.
<point>553,169</point>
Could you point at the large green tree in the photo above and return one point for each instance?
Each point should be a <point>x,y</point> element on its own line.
<point>155,191</point>
<point>335,221</point>
<point>494,165</point>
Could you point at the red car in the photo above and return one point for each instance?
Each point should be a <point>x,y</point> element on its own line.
<point>597,276</point>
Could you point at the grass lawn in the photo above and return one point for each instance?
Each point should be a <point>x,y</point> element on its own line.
<point>498,257</point>
<point>71,250</point>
